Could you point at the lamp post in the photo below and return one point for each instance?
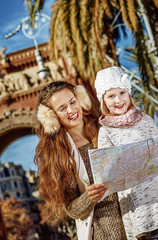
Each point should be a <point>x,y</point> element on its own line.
<point>40,22</point>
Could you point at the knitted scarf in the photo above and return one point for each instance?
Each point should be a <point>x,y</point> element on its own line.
<point>128,119</point>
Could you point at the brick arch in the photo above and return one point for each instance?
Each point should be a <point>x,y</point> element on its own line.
<point>15,125</point>
<point>13,134</point>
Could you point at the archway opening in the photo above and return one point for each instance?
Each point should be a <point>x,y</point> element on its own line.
<point>21,152</point>
<point>12,134</point>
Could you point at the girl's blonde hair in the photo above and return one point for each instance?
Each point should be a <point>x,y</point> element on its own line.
<point>105,111</point>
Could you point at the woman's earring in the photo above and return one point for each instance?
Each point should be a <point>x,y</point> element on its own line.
<point>48,119</point>
<point>83,97</point>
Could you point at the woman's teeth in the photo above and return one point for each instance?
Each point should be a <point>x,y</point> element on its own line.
<point>73,116</point>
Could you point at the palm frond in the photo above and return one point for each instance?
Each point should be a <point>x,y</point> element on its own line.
<point>33,7</point>
<point>83,18</point>
<point>65,17</point>
<point>106,4</point>
<point>125,15</point>
<point>132,16</point>
<point>55,32</point>
<point>77,38</point>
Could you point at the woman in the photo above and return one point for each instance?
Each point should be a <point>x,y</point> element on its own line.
<point>68,128</point>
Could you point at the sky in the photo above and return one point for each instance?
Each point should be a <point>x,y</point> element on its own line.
<point>12,12</point>
<point>21,152</point>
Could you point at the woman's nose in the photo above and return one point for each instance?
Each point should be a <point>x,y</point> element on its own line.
<point>69,109</point>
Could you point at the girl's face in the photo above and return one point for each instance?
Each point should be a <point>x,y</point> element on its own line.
<point>67,108</point>
<point>117,101</point>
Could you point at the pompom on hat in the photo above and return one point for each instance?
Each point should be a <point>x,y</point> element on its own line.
<point>111,77</point>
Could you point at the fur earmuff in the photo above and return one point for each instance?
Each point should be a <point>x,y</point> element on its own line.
<point>83,97</point>
<point>48,119</point>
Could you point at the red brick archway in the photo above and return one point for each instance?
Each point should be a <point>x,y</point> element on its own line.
<point>12,134</point>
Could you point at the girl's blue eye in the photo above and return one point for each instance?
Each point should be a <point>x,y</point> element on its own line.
<point>111,96</point>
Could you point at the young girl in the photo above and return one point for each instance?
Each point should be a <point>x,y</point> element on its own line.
<point>123,123</point>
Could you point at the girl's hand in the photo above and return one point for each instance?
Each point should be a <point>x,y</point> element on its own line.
<point>96,191</point>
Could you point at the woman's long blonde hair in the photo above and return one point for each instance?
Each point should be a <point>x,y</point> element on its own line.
<point>53,154</point>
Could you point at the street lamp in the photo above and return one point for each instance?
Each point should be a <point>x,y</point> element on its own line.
<point>40,22</point>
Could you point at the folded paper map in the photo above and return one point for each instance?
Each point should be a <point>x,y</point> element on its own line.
<point>125,166</point>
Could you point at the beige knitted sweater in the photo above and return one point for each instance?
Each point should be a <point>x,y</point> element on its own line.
<point>107,222</point>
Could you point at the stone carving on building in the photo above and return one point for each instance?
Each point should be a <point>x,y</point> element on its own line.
<point>3,56</point>
<point>26,79</point>
<point>13,83</point>
<point>15,118</point>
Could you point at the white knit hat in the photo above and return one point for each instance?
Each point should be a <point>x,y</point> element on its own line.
<point>111,77</point>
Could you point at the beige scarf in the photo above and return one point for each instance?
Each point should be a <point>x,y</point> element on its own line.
<point>128,119</point>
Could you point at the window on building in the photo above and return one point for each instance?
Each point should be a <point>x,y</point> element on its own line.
<point>24,195</point>
<point>6,196</point>
<point>1,175</point>
<point>18,194</point>
<point>15,184</point>
<point>4,187</point>
<point>6,172</point>
<point>13,173</point>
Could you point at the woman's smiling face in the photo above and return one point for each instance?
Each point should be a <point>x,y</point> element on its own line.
<point>67,108</point>
<point>117,101</point>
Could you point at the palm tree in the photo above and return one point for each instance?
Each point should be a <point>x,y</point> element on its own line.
<point>86,29</point>
<point>79,27</point>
